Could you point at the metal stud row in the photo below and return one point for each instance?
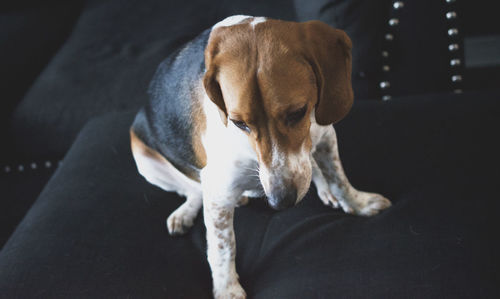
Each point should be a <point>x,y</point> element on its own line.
<point>33,166</point>
<point>453,47</point>
<point>393,22</point>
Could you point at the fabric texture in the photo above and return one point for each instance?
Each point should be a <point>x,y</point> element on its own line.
<point>418,54</point>
<point>30,34</point>
<point>98,229</point>
<point>19,191</point>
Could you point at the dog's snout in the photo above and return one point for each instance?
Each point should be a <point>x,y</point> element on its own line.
<point>282,198</point>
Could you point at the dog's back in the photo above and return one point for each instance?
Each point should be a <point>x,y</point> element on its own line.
<point>174,98</point>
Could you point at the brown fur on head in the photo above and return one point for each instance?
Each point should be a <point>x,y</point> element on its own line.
<point>272,78</point>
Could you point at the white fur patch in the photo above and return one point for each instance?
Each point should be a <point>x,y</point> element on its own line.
<point>230,21</point>
<point>238,19</point>
<point>257,20</point>
<point>230,157</point>
<point>231,169</point>
<point>163,174</point>
<point>160,172</point>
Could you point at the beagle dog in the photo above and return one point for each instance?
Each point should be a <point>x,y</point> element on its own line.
<point>246,110</point>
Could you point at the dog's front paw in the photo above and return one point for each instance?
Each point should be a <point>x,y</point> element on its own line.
<point>179,222</point>
<point>326,196</point>
<point>328,199</point>
<point>364,203</point>
<point>233,291</point>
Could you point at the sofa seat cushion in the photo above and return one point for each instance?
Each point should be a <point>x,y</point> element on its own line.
<point>98,228</point>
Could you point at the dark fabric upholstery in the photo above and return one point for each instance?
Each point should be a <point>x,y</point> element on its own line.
<point>19,191</point>
<point>30,35</point>
<point>98,228</point>
<point>419,58</point>
<point>479,20</point>
<point>108,61</point>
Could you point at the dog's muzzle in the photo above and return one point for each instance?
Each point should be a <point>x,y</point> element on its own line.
<point>282,197</point>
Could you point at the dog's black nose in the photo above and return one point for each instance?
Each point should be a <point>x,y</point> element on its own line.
<point>282,198</point>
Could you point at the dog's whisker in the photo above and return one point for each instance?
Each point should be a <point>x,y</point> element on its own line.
<point>251,169</point>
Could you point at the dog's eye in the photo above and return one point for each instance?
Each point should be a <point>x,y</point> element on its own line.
<point>296,116</point>
<point>242,125</point>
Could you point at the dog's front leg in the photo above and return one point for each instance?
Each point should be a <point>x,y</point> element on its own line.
<point>219,201</point>
<point>352,201</point>
<point>322,186</point>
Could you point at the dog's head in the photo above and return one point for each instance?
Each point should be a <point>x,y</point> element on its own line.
<point>271,79</point>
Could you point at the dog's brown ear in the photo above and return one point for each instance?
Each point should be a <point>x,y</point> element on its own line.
<point>210,80</point>
<point>329,52</point>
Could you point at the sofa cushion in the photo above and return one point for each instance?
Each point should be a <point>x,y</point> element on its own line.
<point>20,184</point>
<point>98,228</point>
<point>30,34</point>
